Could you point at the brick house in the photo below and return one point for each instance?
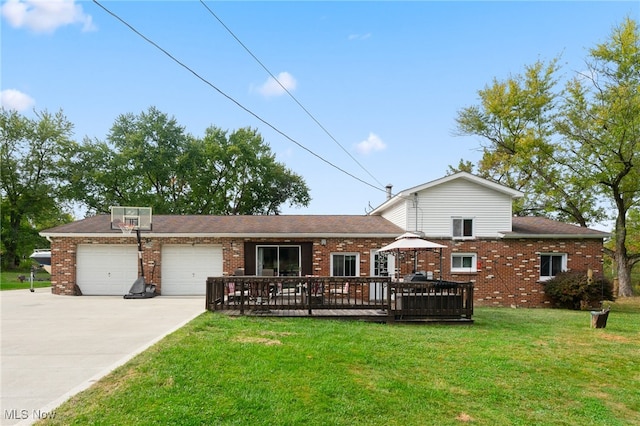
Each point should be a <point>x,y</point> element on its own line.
<point>507,258</point>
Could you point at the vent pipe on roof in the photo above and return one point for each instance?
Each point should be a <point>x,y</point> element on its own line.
<point>389,187</point>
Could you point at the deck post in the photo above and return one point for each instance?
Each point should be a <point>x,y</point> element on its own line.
<point>242,283</point>
<point>309,287</point>
<point>391,313</point>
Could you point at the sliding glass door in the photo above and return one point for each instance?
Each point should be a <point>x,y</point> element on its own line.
<point>278,260</point>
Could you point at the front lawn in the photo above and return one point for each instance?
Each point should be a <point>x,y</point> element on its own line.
<point>512,367</point>
<point>11,281</point>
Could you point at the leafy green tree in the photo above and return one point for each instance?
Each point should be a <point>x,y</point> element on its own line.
<point>238,174</point>
<point>600,122</point>
<point>574,151</point>
<point>31,173</point>
<point>150,160</point>
<point>516,120</point>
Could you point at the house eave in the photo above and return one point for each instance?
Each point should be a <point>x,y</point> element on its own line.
<point>219,235</point>
<point>403,195</point>
<point>512,236</point>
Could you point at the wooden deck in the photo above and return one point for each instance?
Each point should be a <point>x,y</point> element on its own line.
<point>375,299</point>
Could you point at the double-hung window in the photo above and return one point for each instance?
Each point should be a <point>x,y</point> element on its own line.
<point>345,265</point>
<point>551,264</point>
<point>462,227</point>
<point>464,262</point>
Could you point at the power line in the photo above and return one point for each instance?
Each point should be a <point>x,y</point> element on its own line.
<point>208,83</point>
<point>287,91</point>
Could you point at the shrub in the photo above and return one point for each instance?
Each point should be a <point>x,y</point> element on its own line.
<point>572,290</point>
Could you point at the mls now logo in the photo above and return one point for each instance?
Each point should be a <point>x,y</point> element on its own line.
<point>16,414</point>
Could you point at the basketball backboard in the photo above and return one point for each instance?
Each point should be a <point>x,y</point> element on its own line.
<point>136,217</point>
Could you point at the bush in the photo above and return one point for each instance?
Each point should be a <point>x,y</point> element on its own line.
<point>572,290</point>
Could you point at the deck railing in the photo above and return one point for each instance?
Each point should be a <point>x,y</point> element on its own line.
<point>398,300</point>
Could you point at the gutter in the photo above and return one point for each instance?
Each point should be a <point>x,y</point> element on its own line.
<point>511,236</point>
<point>216,235</point>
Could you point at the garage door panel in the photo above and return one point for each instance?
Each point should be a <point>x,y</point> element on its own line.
<point>106,270</point>
<point>185,268</point>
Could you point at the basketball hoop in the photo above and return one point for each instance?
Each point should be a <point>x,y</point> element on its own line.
<point>126,228</point>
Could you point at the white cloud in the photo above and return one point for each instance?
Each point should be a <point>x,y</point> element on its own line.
<point>371,144</point>
<point>359,36</point>
<point>16,100</point>
<point>45,16</point>
<point>271,87</point>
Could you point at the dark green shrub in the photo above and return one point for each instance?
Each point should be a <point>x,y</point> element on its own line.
<point>572,290</point>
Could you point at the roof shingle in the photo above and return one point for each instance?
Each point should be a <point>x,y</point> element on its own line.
<point>276,224</point>
<point>534,225</point>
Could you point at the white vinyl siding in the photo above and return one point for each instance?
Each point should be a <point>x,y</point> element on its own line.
<point>490,210</point>
<point>398,215</point>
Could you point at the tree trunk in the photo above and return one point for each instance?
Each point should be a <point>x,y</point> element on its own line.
<point>623,266</point>
<point>624,276</point>
<point>11,243</point>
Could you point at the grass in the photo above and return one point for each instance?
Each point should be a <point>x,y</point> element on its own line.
<point>512,367</point>
<point>10,281</point>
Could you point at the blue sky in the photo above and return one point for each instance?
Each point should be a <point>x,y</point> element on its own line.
<point>385,79</point>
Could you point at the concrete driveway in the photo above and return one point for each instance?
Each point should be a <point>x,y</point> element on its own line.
<point>56,346</point>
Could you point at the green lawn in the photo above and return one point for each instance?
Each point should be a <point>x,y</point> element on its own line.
<point>10,281</point>
<point>512,367</point>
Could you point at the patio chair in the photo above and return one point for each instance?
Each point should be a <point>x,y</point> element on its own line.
<point>341,291</point>
<point>233,293</point>
<point>288,291</point>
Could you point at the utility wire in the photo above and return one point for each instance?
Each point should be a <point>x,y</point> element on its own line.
<point>287,91</point>
<point>208,83</point>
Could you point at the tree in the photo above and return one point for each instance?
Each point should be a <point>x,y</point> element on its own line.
<point>601,125</point>
<point>632,242</point>
<point>31,174</point>
<point>238,174</point>
<point>573,151</point>
<point>150,160</point>
<point>516,119</point>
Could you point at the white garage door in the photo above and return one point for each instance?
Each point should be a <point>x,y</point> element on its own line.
<point>185,268</point>
<point>106,270</point>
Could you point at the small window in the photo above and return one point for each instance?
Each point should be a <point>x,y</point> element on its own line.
<point>382,264</point>
<point>344,265</point>
<point>462,228</point>
<point>464,262</point>
<point>552,264</point>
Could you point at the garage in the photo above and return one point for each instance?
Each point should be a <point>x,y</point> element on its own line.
<point>106,269</point>
<point>185,268</point>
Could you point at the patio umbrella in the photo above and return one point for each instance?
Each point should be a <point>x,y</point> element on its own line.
<point>412,242</point>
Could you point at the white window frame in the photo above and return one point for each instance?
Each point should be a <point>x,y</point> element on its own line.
<point>341,253</point>
<point>474,262</point>
<point>563,266</point>
<point>462,220</point>
<point>391,264</point>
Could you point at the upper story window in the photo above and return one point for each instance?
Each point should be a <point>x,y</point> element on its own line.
<point>462,227</point>
<point>551,264</point>
<point>345,264</point>
<point>464,262</point>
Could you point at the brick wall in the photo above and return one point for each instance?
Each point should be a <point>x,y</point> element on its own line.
<point>508,270</point>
